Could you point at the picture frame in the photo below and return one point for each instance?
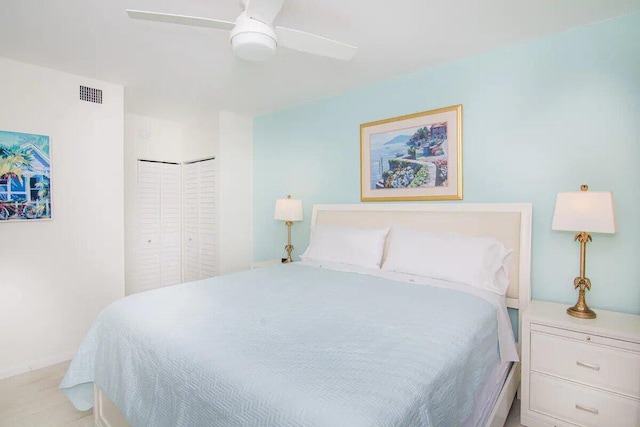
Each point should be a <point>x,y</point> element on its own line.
<point>412,157</point>
<point>25,177</point>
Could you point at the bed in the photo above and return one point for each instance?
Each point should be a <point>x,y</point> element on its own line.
<point>315,343</point>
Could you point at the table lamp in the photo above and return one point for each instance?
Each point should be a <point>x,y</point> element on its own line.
<point>288,210</point>
<point>584,211</point>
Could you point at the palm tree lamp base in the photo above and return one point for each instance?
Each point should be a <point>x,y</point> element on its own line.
<point>289,249</point>
<point>581,310</point>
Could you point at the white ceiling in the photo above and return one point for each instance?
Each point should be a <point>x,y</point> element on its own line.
<point>170,70</point>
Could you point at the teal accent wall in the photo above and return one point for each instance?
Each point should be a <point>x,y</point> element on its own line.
<point>539,117</point>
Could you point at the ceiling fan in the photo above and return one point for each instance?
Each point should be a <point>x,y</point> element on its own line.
<point>253,35</point>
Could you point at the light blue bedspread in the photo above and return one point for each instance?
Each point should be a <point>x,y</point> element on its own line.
<point>290,345</point>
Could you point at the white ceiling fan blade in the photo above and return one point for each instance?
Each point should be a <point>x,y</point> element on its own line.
<point>263,10</point>
<point>311,43</point>
<point>180,19</point>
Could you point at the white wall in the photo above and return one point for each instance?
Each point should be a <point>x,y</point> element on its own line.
<point>152,139</point>
<point>201,136</point>
<point>235,174</point>
<point>55,276</point>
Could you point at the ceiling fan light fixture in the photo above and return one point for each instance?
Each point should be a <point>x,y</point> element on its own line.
<point>253,40</point>
<point>253,36</point>
<point>252,46</point>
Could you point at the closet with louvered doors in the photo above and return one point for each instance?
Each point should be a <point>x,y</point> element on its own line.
<point>176,223</point>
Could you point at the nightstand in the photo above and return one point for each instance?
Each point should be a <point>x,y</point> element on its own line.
<point>579,371</point>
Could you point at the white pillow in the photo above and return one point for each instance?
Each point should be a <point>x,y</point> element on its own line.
<point>477,261</point>
<point>345,245</point>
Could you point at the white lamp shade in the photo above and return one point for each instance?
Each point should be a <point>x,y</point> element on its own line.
<point>589,211</point>
<point>288,210</point>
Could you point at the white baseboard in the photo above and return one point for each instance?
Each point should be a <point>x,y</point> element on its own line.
<point>34,364</point>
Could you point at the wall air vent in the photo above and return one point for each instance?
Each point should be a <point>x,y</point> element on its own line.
<point>90,94</point>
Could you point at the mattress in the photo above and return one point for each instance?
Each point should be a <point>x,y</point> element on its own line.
<point>291,345</point>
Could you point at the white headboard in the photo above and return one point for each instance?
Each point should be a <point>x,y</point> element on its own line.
<point>507,222</point>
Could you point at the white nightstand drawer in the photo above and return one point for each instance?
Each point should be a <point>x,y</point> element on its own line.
<point>581,405</point>
<point>596,365</point>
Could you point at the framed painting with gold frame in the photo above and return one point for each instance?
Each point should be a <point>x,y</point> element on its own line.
<point>413,157</point>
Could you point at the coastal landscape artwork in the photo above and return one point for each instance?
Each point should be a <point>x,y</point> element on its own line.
<point>25,177</point>
<point>413,157</point>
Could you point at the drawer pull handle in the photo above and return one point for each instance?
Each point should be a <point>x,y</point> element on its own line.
<point>586,408</point>
<point>588,365</point>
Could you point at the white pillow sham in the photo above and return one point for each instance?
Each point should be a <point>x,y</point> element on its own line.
<point>346,245</point>
<point>477,261</point>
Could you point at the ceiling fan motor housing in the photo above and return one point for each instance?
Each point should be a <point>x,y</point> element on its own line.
<point>253,40</point>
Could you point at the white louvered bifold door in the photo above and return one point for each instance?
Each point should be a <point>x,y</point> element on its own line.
<point>159,260</point>
<point>171,224</point>
<point>200,220</point>
<point>191,215</point>
<point>149,242</point>
<point>208,220</point>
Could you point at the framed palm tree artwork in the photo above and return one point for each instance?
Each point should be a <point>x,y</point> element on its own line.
<point>413,157</point>
<point>25,177</point>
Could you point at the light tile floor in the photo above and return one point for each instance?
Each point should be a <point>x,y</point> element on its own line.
<point>33,400</point>
<point>513,420</point>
